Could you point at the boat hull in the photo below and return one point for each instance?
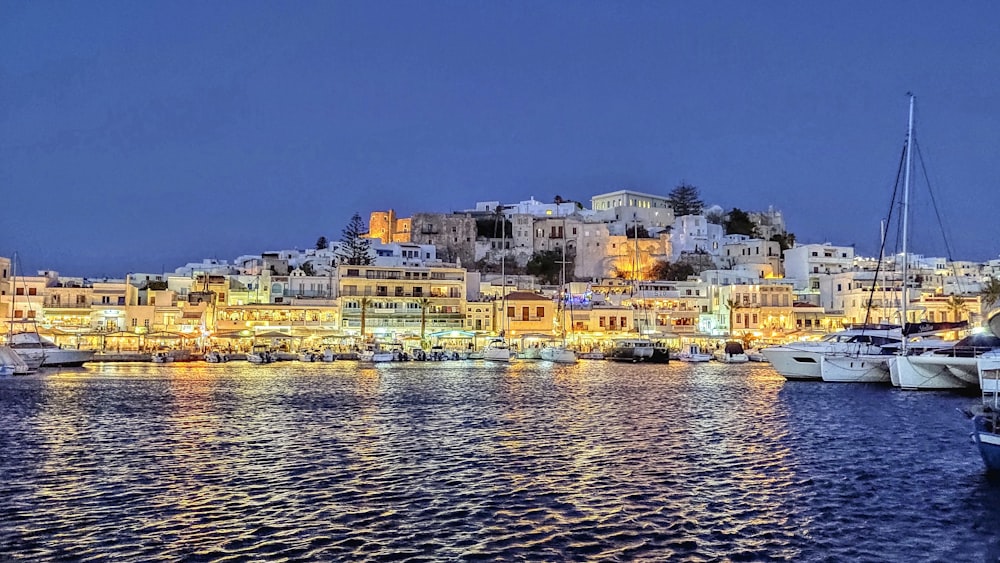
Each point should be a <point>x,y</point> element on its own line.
<point>987,441</point>
<point>854,369</point>
<point>933,372</point>
<point>558,354</point>
<point>793,364</point>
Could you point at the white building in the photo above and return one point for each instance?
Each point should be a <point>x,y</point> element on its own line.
<point>804,264</point>
<point>694,234</point>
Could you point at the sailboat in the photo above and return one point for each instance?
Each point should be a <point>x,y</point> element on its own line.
<point>638,348</point>
<point>954,368</point>
<point>870,361</point>
<point>497,349</point>
<point>559,353</point>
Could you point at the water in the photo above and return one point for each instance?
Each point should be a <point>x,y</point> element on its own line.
<point>470,461</point>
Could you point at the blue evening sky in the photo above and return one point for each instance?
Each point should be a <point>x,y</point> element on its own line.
<point>141,135</point>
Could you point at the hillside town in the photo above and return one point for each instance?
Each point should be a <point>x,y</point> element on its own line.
<point>626,263</point>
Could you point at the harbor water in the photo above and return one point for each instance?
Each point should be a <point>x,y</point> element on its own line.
<point>475,461</point>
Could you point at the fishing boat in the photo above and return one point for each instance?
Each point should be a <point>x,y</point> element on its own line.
<point>261,354</point>
<point>631,350</point>
<point>216,357</point>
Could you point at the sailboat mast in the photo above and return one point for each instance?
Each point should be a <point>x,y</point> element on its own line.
<point>906,208</point>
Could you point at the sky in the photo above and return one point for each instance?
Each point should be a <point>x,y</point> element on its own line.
<point>139,136</point>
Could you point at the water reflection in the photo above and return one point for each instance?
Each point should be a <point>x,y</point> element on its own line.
<point>475,460</point>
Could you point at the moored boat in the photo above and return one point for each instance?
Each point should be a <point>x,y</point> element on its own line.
<point>694,354</point>
<point>986,420</point>
<point>732,353</point>
<point>631,350</point>
<point>32,347</point>
<point>801,360</point>
<point>497,350</point>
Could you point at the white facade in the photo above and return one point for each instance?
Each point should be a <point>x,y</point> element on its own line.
<point>628,198</point>
<point>693,233</point>
<point>805,263</point>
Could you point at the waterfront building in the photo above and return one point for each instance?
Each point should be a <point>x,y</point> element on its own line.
<point>398,301</point>
<point>527,313</point>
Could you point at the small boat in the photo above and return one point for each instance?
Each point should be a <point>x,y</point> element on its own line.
<point>216,357</point>
<point>732,353</point>
<point>756,356</point>
<point>161,357</point>
<point>17,364</point>
<point>328,356</point>
<point>693,353</point>
<point>307,356</point>
<point>986,420</point>
<point>375,353</point>
<point>261,355</point>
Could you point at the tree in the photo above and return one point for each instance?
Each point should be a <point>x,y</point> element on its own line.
<point>424,303</point>
<point>685,201</point>
<point>663,270</point>
<point>546,265</point>
<point>365,302</point>
<point>956,306</point>
<point>322,243</point>
<point>784,240</point>
<point>715,217</point>
<point>307,269</point>
<point>990,294</point>
<point>355,248</point>
<point>737,222</point>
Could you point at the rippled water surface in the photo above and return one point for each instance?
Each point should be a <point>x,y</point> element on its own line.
<point>463,460</point>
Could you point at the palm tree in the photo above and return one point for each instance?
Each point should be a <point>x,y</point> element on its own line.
<point>990,294</point>
<point>424,302</point>
<point>956,305</point>
<point>365,302</point>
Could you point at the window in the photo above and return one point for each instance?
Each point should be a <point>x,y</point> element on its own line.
<point>510,312</point>
<point>525,316</point>
<point>19,291</point>
<point>32,291</point>
<point>623,324</point>
<point>540,312</point>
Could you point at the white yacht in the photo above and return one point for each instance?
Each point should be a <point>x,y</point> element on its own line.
<point>375,353</point>
<point>32,347</point>
<point>801,360</point>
